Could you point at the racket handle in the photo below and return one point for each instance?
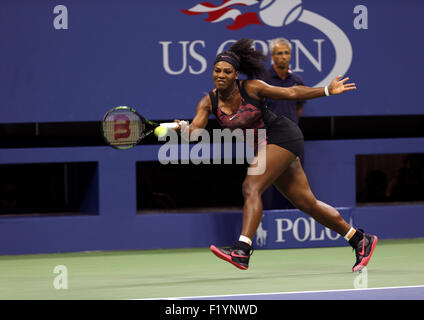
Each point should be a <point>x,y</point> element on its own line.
<point>169,124</point>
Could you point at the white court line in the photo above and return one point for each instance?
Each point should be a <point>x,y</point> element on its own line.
<point>282,293</point>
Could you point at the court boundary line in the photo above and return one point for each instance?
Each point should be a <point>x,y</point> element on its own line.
<point>283,293</point>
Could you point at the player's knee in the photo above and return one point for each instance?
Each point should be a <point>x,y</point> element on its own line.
<point>250,189</point>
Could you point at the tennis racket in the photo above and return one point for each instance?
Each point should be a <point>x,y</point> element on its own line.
<point>123,127</point>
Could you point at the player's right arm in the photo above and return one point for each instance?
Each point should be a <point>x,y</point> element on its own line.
<point>200,120</point>
<point>204,109</point>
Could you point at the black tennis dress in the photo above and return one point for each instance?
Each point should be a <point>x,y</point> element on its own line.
<point>254,114</point>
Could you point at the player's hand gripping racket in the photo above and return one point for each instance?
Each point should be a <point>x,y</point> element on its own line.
<point>123,127</point>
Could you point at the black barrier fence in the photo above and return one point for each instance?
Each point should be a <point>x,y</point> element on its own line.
<point>49,188</point>
<point>72,188</point>
<point>388,178</point>
<point>70,134</point>
<point>189,186</point>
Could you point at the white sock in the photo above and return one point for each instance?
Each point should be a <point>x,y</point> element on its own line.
<point>245,240</point>
<point>350,233</point>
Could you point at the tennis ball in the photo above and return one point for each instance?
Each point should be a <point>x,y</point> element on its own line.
<point>160,131</point>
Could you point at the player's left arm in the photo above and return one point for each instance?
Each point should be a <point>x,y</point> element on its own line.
<point>259,89</point>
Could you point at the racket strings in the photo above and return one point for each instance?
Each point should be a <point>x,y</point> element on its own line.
<point>123,128</point>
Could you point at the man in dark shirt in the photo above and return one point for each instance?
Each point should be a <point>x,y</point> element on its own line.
<point>281,75</point>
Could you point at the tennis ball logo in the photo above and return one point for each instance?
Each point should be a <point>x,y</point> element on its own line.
<point>278,13</point>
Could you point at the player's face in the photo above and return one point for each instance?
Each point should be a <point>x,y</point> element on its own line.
<point>281,56</point>
<point>224,75</point>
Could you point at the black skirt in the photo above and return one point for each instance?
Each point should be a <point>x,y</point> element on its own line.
<point>285,133</point>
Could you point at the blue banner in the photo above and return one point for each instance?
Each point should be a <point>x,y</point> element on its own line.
<point>283,229</point>
<point>73,60</point>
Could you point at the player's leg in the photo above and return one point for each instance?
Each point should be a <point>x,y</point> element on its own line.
<point>293,184</point>
<point>276,160</point>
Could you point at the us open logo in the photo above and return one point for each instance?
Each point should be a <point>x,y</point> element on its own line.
<point>235,15</point>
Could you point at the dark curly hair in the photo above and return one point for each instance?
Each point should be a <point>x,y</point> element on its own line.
<point>250,59</point>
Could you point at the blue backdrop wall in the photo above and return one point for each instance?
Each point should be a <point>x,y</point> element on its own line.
<point>72,60</point>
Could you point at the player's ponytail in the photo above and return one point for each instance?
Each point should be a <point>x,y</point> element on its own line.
<point>251,60</point>
<point>245,59</point>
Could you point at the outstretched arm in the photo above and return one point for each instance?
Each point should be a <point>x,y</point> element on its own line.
<point>262,90</point>
<point>200,120</point>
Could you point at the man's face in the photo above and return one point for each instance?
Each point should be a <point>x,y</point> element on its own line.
<point>281,56</point>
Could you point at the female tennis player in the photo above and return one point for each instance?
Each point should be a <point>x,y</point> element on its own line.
<point>241,104</point>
